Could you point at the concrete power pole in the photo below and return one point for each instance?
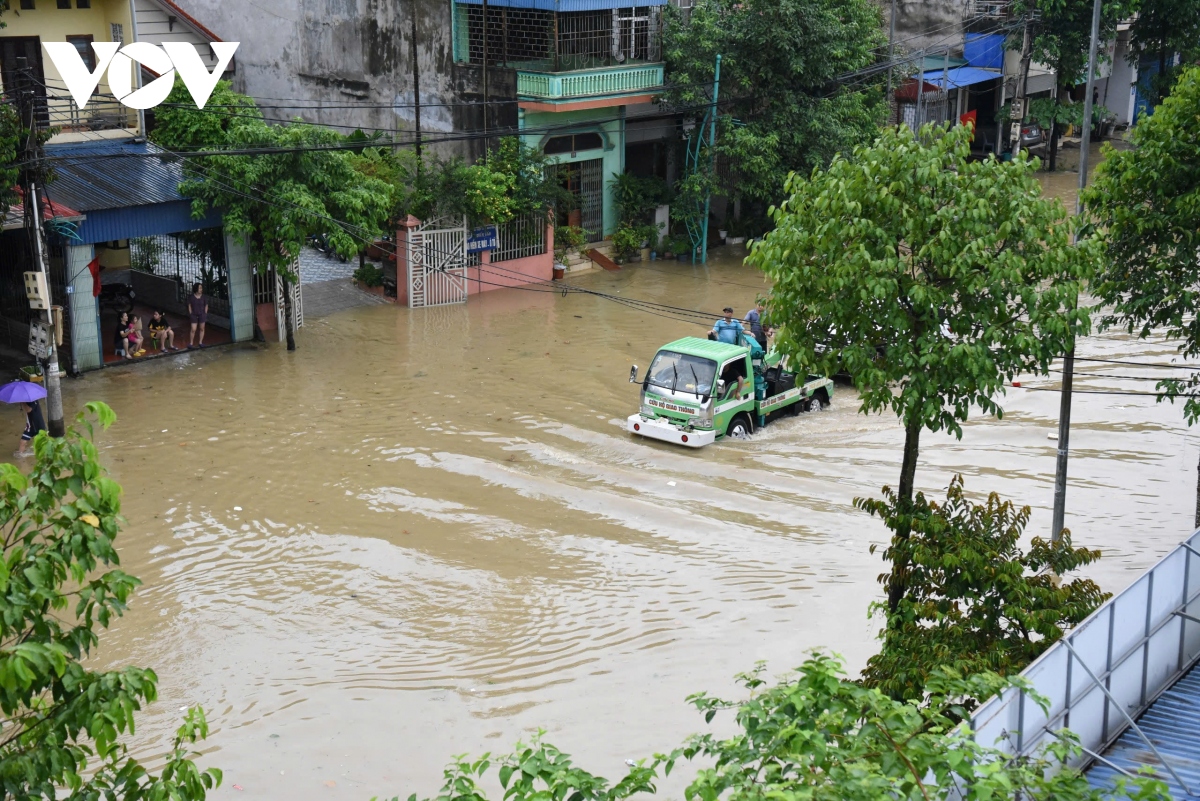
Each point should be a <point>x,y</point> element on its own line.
<point>1064,413</point>
<point>1023,84</point>
<point>26,97</point>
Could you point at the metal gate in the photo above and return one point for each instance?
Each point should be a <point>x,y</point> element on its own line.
<point>297,303</point>
<point>437,265</point>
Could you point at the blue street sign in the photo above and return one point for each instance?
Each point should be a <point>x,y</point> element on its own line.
<point>482,239</point>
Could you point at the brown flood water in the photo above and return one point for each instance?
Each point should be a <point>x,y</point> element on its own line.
<point>426,533</point>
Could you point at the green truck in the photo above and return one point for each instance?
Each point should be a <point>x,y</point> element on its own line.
<point>698,390</point>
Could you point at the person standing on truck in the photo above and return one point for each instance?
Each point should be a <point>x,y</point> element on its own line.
<point>754,320</point>
<point>727,329</point>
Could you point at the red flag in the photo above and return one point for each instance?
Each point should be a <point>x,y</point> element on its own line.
<point>969,118</point>
<point>94,269</point>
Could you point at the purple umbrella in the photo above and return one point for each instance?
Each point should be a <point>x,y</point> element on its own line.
<point>21,392</point>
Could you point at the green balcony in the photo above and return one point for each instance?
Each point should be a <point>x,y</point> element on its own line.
<point>601,83</point>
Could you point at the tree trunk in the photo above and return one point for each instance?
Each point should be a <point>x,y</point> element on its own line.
<point>288,314</point>
<point>898,583</point>
<point>1162,77</point>
<point>1053,162</point>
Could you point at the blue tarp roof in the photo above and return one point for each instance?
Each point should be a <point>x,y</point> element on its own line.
<point>1173,724</point>
<point>122,188</point>
<point>567,5</point>
<point>961,76</point>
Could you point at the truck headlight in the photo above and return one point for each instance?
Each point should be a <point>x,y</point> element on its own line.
<point>646,411</point>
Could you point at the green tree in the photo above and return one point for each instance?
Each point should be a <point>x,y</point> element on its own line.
<point>10,147</point>
<point>814,736</point>
<point>59,584</point>
<point>932,279</point>
<point>1062,34</point>
<point>1161,29</point>
<point>274,201</point>
<point>781,109</point>
<point>976,601</point>
<point>1146,203</point>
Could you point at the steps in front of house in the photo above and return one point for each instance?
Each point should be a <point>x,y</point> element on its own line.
<point>579,261</point>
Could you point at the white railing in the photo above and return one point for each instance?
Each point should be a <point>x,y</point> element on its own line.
<point>1110,668</point>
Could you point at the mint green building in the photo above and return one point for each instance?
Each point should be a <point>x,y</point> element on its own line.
<point>582,69</point>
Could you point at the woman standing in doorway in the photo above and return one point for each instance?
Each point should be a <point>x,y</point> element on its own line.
<point>198,309</point>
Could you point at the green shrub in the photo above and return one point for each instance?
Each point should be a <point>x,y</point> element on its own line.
<point>369,275</point>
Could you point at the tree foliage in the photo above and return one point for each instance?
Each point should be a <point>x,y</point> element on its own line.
<point>1146,203</point>
<point>59,584</point>
<point>814,736</point>
<point>780,108</point>
<point>276,200</point>
<point>296,188</point>
<point>932,279</point>
<point>976,601</point>
<point>10,148</point>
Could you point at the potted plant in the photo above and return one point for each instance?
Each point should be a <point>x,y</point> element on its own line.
<point>627,240</point>
<point>566,239</point>
<point>32,373</point>
<point>370,278</point>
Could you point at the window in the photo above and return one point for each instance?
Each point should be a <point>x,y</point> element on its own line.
<point>573,143</point>
<point>84,45</point>
<point>680,372</point>
<point>118,32</point>
<point>83,3</point>
<point>64,3</point>
<point>27,5</point>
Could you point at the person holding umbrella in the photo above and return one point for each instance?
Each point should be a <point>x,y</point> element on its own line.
<point>27,394</point>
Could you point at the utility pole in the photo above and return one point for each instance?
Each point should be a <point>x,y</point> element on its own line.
<point>26,97</point>
<point>891,52</point>
<point>920,89</point>
<point>1064,412</point>
<point>712,144</point>
<point>1023,83</point>
<point>416,68</point>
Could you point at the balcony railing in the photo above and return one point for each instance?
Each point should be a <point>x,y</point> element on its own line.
<point>590,83</point>
<point>102,113</point>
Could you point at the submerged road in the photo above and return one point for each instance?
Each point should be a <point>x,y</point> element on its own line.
<point>426,533</point>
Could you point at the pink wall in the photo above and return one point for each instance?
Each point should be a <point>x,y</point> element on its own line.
<point>514,272</point>
<point>499,275</point>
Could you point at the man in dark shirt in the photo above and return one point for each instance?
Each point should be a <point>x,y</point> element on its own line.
<point>198,311</point>
<point>34,422</point>
<point>754,320</point>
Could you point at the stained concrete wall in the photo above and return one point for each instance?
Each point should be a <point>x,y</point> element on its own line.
<point>925,24</point>
<point>349,63</point>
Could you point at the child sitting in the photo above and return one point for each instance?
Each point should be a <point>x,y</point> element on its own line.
<point>135,337</point>
<point>161,333</point>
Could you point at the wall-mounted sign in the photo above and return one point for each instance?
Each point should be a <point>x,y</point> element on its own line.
<point>482,239</point>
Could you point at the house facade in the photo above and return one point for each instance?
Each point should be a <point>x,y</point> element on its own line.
<point>114,213</point>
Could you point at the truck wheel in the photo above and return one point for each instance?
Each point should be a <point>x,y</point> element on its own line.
<point>814,403</point>
<point>740,427</point>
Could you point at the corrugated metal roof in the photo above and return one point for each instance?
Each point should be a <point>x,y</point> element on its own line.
<point>1173,724</point>
<point>90,176</point>
<point>959,77</point>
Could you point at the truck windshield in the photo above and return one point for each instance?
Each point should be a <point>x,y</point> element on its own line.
<point>682,373</point>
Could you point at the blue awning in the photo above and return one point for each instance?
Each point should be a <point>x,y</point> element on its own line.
<point>567,5</point>
<point>959,77</point>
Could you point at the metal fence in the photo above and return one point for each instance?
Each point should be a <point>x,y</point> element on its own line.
<point>545,40</point>
<point>102,113</point>
<point>1110,668</point>
<point>518,239</point>
<point>189,258</point>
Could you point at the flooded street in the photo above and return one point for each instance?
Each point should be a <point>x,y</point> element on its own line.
<point>426,533</point>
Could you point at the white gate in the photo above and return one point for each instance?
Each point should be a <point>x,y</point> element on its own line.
<point>297,303</point>
<point>437,265</point>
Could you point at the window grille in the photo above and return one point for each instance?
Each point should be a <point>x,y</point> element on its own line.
<point>118,32</point>
<point>543,40</point>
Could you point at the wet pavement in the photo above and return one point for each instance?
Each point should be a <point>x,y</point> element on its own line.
<point>426,533</point>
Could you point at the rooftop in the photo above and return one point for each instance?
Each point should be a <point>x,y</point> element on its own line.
<point>705,348</point>
<point>112,175</point>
